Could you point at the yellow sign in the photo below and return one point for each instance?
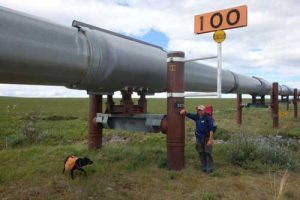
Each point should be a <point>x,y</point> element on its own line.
<point>219,36</point>
<point>283,114</point>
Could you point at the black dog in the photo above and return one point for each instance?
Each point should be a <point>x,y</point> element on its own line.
<point>72,163</point>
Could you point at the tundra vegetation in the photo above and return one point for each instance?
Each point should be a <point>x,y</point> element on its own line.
<point>253,161</point>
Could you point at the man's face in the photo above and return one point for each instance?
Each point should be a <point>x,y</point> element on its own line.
<point>200,112</point>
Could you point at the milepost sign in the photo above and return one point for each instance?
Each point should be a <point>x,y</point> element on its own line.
<point>221,20</point>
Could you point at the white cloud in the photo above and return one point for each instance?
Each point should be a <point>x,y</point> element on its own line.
<point>39,91</point>
<point>269,45</point>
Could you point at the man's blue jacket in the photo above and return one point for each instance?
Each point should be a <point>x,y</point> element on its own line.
<point>203,125</point>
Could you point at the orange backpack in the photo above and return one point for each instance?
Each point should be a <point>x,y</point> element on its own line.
<point>70,163</point>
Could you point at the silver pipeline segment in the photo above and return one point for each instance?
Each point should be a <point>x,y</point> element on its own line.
<point>35,51</point>
<point>285,90</point>
<point>265,88</point>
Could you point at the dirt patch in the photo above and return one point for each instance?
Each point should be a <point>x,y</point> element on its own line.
<point>114,139</point>
<point>48,118</point>
<point>58,118</point>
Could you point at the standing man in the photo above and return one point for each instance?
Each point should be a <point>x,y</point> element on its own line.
<point>204,136</point>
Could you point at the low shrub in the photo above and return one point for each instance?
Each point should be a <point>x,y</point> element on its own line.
<point>222,134</point>
<point>241,150</point>
<point>137,160</point>
<point>277,155</point>
<point>160,158</point>
<point>29,130</point>
<point>211,195</point>
<point>253,152</point>
<point>30,134</point>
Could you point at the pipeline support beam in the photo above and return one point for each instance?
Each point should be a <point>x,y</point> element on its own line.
<point>142,102</point>
<point>94,129</point>
<point>295,103</point>
<point>286,99</point>
<point>127,105</point>
<point>274,105</point>
<point>109,104</point>
<point>254,99</point>
<point>239,108</point>
<point>257,102</point>
<point>175,102</point>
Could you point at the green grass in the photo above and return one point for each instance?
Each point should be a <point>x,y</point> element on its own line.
<point>133,167</point>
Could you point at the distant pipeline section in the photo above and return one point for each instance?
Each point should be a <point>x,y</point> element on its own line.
<point>35,51</point>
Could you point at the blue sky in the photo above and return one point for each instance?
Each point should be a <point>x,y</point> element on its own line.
<point>269,47</point>
<point>154,37</point>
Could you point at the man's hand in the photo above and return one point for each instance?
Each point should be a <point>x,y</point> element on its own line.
<point>209,142</point>
<point>182,112</point>
<point>210,137</point>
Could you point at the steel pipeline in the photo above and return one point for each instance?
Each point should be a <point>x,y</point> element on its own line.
<point>35,51</point>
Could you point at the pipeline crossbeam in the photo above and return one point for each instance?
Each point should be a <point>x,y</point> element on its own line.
<point>35,51</point>
<point>149,123</point>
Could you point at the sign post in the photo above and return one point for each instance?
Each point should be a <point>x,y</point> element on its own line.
<point>219,80</point>
<point>219,37</point>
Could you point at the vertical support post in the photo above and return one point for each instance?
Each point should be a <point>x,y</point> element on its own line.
<point>175,102</point>
<point>295,103</point>
<point>142,101</point>
<point>287,102</point>
<point>274,106</point>
<point>239,108</point>
<point>127,101</point>
<point>109,104</point>
<point>219,79</point>
<point>6,142</point>
<point>94,129</point>
<point>254,99</point>
<point>262,100</point>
